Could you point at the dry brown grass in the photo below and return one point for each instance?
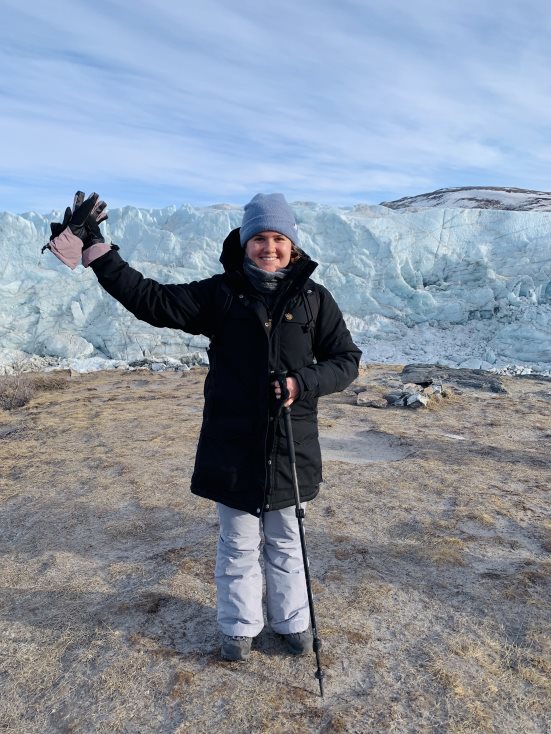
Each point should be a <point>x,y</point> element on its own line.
<point>431,573</point>
<point>18,389</point>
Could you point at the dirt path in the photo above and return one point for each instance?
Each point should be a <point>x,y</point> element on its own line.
<point>430,549</point>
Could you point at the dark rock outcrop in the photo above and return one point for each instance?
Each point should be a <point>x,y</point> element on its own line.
<point>477,197</point>
<point>427,374</point>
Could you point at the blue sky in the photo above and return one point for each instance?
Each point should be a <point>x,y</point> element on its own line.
<point>155,102</point>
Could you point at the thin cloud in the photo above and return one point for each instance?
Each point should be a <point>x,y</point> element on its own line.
<point>340,101</point>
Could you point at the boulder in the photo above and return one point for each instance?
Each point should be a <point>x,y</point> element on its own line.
<point>425,375</point>
<point>396,398</point>
<point>369,398</point>
<point>417,400</point>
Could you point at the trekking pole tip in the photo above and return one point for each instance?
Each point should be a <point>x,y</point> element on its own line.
<point>320,675</point>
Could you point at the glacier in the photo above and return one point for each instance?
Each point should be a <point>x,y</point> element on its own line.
<point>456,286</point>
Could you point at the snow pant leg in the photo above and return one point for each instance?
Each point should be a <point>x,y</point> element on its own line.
<point>238,574</point>
<point>286,595</point>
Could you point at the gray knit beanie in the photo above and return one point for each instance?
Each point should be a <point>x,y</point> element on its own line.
<point>268,213</point>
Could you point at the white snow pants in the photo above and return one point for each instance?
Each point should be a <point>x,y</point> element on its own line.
<point>239,577</point>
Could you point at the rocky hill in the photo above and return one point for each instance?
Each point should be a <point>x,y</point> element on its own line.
<point>477,197</point>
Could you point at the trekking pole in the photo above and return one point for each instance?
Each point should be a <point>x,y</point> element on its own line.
<point>299,512</point>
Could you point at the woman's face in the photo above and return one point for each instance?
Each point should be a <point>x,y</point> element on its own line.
<point>269,250</point>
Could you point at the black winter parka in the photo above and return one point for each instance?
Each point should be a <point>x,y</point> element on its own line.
<point>241,457</point>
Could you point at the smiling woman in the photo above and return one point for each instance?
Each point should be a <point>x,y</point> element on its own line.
<point>263,315</point>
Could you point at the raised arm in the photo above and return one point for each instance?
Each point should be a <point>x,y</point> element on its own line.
<point>184,306</point>
<point>187,306</point>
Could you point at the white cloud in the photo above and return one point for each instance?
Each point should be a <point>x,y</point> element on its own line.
<point>341,100</point>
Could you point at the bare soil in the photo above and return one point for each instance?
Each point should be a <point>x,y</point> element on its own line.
<point>429,545</point>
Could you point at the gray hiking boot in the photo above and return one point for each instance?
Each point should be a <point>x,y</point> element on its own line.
<point>299,643</point>
<point>236,648</point>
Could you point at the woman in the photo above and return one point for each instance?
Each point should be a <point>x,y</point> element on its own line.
<point>263,314</point>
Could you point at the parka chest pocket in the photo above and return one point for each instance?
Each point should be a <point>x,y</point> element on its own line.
<point>302,312</point>
<point>297,319</point>
<point>297,328</point>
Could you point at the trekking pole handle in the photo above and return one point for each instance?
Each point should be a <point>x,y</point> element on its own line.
<point>281,378</point>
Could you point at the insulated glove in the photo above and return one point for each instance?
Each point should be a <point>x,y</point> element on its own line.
<point>86,217</point>
<point>79,231</point>
<point>58,227</point>
<point>83,219</point>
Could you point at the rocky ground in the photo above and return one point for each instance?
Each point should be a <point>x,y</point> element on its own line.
<point>430,552</point>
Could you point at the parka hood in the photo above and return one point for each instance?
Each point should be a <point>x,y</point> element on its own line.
<point>232,253</point>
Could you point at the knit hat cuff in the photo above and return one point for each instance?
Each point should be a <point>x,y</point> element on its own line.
<point>268,223</point>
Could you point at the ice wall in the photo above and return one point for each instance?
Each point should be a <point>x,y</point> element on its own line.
<point>461,286</point>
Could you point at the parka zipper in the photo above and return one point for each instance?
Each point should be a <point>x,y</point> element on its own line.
<point>268,323</point>
<point>269,481</point>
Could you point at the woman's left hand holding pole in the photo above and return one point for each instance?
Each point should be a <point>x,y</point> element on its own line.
<point>292,389</point>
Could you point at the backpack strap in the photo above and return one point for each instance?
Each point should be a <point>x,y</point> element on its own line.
<point>311,300</point>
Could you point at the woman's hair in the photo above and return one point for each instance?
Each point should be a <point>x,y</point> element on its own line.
<point>295,255</point>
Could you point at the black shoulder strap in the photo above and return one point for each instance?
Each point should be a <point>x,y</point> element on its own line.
<point>311,299</point>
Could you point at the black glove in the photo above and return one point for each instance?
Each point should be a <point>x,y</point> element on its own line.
<point>58,227</point>
<point>86,217</point>
<point>83,220</point>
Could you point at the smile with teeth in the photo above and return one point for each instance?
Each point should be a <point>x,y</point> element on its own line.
<point>269,250</point>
